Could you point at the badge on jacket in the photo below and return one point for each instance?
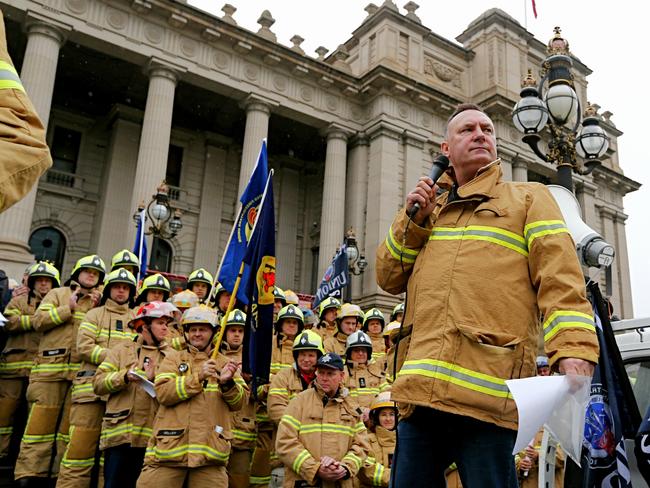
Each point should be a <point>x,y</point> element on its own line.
<point>183,367</point>
<point>362,382</point>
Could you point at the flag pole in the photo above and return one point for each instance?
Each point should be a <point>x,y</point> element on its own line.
<point>233,296</point>
<point>143,218</point>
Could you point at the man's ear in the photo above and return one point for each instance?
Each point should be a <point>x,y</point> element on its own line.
<point>444,148</point>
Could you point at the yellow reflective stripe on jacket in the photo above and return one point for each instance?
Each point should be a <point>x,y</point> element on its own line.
<point>565,319</point>
<point>51,310</point>
<point>332,428</point>
<point>108,381</point>
<point>94,356</point>
<point>457,375</point>
<point>116,334</point>
<point>106,366</point>
<point>355,392</point>
<point>300,460</point>
<point>6,430</point>
<point>82,389</point>
<point>178,343</point>
<point>199,449</point>
<point>55,368</point>
<point>279,392</point>
<point>259,480</point>
<point>26,322</point>
<point>242,435</point>
<point>181,391</point>
<point>292,421</point>
<point>10,312</point>
<point>240,394</point>
<point>9,78</point>
<point>162,376</point>
<point>126,429</point>
<point>276,367</point>
<point>79,315</point>
<point>89,326</point>
<point>378,475</point>
<point>495,235</point>
<point>354,458</point>
<point>260,418</point>
<point>14,365</point>
<point>398,251</point>
<point>543,228</point>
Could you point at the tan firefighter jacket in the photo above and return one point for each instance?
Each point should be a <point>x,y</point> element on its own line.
<point>313,427</point>
<point>176,336</point>
<point>478,275</point>
<point>285,386</point>
<point>130,410</point>
<point>376,469</point>
<point>24,155</point>
<point>336,343</point>
<point>58,358</point>
<point>365,381</point>
<point>378,345</point>
<point>281,354</point>
<point>22,341</point>
<point>326,329</point>
<point>101,329</point>
<point>244,429</point>
<point>192,427</point>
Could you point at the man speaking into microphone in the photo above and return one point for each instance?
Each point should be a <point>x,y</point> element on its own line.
<point>481,263</point>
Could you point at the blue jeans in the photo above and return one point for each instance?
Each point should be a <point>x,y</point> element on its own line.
<point>122,466</point>
<point>429,441</point>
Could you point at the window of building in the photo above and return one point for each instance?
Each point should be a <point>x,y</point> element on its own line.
<point>65,149</point>
<point>48,244</point>
<point>174,165</point>
<point>161,256</point>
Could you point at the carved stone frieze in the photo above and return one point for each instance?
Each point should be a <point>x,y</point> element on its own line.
<point>116,18</point>
<point>442,71</point>
<point>77,6</point>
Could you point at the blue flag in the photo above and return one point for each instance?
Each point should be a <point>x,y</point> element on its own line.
<point>260,258</point>
<point>336,277</point>
<point>612,415</point>
<point>642,447</point>
<point>140,246</point>
<point>243,228</point>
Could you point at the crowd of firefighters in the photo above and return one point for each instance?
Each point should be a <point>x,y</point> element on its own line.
<point>124,384</point>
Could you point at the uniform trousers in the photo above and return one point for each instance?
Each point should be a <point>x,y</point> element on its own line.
<point>168,477</point>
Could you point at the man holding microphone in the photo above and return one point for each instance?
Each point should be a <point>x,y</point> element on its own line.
<point>480,264</point>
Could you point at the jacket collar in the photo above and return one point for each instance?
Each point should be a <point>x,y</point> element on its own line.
<point>384,436</point>
<point>341,394</point>
<point>482,185</point>
<point>112,306</point>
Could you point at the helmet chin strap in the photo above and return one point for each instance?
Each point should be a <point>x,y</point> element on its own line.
<point>155,341</point>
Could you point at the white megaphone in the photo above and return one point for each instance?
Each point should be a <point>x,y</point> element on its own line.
<point>591,247</point>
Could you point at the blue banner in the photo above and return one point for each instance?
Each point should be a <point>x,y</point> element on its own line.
<point>260,259</point>
<point>140,246</point>
<point>336,278</point>
<point>642,447</point>
<point>243,228</point>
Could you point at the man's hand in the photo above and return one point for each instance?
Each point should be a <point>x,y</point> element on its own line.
<point>423,194</point>
<point>209,369</point>
<point>19,291</point>
<point>131,376</point>
<point>526,464</point>
<point>228,372</point>
<point>331,470</point>
<point>576,366</point>
<point>73,299</point>
<point>95,296</point>
<point>531,453</point>
<point>150,369</point>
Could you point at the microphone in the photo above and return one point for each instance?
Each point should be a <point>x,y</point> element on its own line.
<point>440,165</point>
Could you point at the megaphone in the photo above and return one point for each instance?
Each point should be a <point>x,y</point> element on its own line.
<point>592,249</point>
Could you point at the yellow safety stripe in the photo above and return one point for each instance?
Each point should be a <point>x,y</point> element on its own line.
<point>6,430</point>
<point>108,381</point>
<point>116,334</point>
<point>356,460</point>
<point>276,367</point>
<point>55,368</point>
<point>52,312</point>
<point>94,356</point>
<point>453,373</point>
<point>259,480</point>
<point>292,421</point>
<point>300,460</point>
<point>36,438</point>
<point>89,326</point>
<point>82,389</point>
<point>177,343</point>
<point>199,449</point>
<point>279,392</point>
<point>566,319</point>
<point>26,322</point>
<point>331,428</point>
<point>106,366</point>
<point>363,391</point>
<point>261,418</point>
<point>9,78</point>
<point>543,228</point>
<point>237,399</point>
<point>61,437</point>
<point>15,365</point>
<point>181,391</point>
<point>494,235</point>
<point>378,475</point>
<point>78,463</point>
<point>242,435</point>
<point>398,251</point>
<point>163,376</point>
<point>10,312</point>
<point>211,387</point>
<point>126,429</point>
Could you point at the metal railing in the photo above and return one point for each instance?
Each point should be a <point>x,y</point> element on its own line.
<point>63,178</point>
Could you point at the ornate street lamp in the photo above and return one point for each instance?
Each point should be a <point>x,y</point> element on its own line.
<point>165,220</point>
<point>558,108</point>
<point>356,261</point>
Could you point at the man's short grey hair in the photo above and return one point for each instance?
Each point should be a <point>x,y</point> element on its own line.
<point>460,109</point>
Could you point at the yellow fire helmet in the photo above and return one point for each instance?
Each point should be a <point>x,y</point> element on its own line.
<point>290,312</point>
<point>308,340</point>
<point>399,308</point>
<point>373,314</point>
<point>153,282</point>
<point>291,298</point>
<point>200,275</point>
<point>392,326</point>
<point>43,269</point>
<point>278,294</point>
<point>351,310</point>
<point>382,400</point>
<point>124,258</point>
<point>236,317</point>
<point>89,262</point>
<point>185,299</point>
<point>329,302</point>
<point>201,314</point>
<point>119,275</point>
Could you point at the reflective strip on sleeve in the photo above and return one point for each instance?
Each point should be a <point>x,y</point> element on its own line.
<point>494,235</point>
<point>164,376</point>
<point>566,319</point>
<point>278,392</point>
<point>466,378</point>
<point>106,366</point>
<point>378,475</point>
<point>292,421</point>
<point>242,435</point>
<point>300,460</point>
<point>9,312</point>
<point>94,356</point>
<point>356,460</point>
<point>543,228</point>
<point>108,381</point>
<point>89,326</point>
<point>181,391</point>
<point>25,322</point>
<point>9,78</point>
<point>398,251</point>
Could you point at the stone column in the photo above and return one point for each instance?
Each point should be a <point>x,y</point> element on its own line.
<point>356,192</point>
<point>625,310</point>
<point>258,111</point>
<point>506,167</point>
<point>208,233</point>
<point>38,75</point>
<point>382,203</point>
<point>332,221</point>
<point>608,232</point>
<point>154,139</point>
<point>115,215</point>
<point>519,170</point>
<point>586,195</point>
<point>413,161</point>
<point>287,227</point>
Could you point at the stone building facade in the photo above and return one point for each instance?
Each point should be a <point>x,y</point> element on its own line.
<point>134,92</point>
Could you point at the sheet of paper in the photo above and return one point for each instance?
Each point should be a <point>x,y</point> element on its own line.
<point>145,384</point>
<point>559,402</point>
<point>3,320</point>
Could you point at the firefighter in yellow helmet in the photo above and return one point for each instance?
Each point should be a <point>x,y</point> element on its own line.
<point>291,297</point>
<point>182,301</point>
<point>154,288</point>
<point>349,318</point>
<point>382,439</point>
<point>328,311</point>
<point>373,325</point>
<point>290,323</point>
<point>130,410</point>
<point>279,301</point>
<point>102,328</point>
<point>200,282</point>
<point>19,352</point>
<point>192,428</point>
<point>398,313</point>
<point>125,259</point>
<point>57,318</point>
<point>221,299</point>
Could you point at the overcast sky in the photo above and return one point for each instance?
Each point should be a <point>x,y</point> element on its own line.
<point>609,37</point>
